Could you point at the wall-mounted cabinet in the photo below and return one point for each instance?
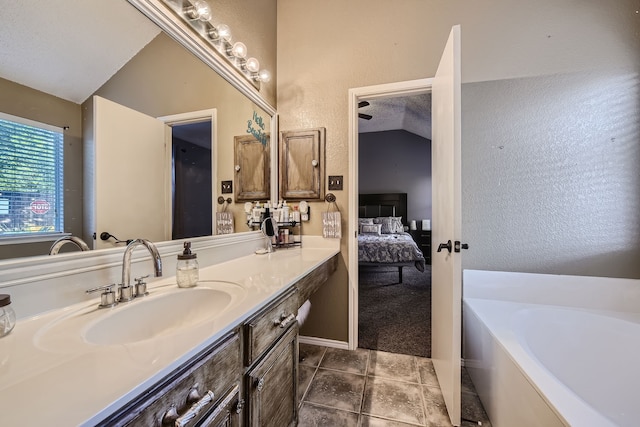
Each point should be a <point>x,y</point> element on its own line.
<point>302,164</point>
<point>252,168</point>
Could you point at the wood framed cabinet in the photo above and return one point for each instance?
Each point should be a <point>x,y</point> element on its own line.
<point>252,168</point>
<point>271,358</point>
<point>423,240</point>
<point>302,164</point>
<point>272,387</point>
<point>204,392</point>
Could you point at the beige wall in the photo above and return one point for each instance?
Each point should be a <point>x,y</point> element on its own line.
<point>31,104</point>
<point>325,48</point>
<point>253,23</point>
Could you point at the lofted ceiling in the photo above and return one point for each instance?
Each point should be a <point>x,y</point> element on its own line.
<point>410,113</point>
<point>69,48</point>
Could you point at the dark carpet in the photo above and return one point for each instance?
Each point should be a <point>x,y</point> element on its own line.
<point>395,317</point>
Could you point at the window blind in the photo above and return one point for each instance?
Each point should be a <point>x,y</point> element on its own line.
<point>31,177</point>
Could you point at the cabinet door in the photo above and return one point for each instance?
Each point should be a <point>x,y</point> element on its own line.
<point>253,168</point>
<point>302,164</point>
<point>227,412</point>
<point>272,385</point>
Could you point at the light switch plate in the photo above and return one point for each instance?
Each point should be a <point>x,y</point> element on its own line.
<point>227,187</point>
<point>335,182</point>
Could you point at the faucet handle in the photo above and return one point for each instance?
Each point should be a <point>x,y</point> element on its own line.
<point>107,297</point>
<point>141,286</point>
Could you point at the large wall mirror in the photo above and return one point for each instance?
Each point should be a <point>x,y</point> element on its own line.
<point>159,78</point>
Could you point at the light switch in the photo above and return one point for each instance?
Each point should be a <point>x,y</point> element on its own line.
<point>227,187</point>
<point>335,182</point>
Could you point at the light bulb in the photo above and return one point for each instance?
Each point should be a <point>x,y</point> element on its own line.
<point>203,11</point>
<point>224,32</point>
<point>199,10</point>
<point>239,50</point>
<point>252,65</point>
<point>264,76</point>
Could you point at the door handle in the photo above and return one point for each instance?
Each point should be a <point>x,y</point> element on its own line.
<point>446,246</point>
<point>457,246</point>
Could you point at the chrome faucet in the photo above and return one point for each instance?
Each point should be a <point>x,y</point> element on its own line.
<point>126,293</point>
<point>55,248</point>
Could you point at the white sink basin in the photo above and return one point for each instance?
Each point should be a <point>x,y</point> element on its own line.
<point>158,315</point>
<point>164,312</point>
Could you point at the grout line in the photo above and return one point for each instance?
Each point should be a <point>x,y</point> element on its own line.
<point>315,371</point>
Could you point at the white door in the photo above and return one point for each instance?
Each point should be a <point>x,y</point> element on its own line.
<point>446,280</point>
<point>129,182</point>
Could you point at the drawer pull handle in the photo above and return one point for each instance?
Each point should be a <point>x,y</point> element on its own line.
<point>194,394</point>
<point>284,320</point>
<point>170,416</point>
<point>195,409</point>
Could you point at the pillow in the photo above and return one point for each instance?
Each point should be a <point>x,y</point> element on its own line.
<point>370,229</point>
<point>362,221</point>
<point>390,224</point>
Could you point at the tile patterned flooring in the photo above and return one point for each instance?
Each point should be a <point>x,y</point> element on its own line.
<point>373,388</point>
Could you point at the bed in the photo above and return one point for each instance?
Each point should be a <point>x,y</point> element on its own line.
<point>382,239</point>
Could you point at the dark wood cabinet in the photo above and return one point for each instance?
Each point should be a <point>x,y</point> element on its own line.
<point>204,381</point>
<point>272,385</point>
<point>423,240</point>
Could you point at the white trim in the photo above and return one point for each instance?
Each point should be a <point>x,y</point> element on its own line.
<point>183,119</point>
<point>20,271</point>
<point>388,90</point>
<point>18,238</point>
<point>343,345</point>
<point>32,123</point>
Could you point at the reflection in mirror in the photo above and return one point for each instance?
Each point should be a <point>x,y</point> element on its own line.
<point>161,79</point>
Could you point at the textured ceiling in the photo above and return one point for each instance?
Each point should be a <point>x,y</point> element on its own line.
<point>69,48</point>
<point>411,113</point>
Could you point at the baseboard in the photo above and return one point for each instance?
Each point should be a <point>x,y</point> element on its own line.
<point>343,345</point>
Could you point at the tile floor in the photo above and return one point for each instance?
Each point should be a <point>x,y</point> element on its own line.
<point>374,388</point>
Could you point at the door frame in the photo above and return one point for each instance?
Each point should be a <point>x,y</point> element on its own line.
<point>183,119</point>
<point>387,90</point>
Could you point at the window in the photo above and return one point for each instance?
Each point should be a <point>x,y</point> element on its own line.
<point>31,177</point>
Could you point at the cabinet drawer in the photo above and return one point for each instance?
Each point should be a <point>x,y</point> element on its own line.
<point>216,369</point>
<point>271,385</point>
<point>268,325</point>
<point>226,413</point>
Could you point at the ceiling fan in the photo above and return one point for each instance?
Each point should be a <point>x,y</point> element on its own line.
<point>362,115</point>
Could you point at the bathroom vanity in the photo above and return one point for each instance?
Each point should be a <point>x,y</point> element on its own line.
<point>234,365</point>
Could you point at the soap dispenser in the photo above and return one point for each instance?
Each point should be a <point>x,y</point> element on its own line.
<point>187,269</point>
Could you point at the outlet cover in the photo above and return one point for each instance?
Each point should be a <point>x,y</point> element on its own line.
<point>335,182</point>
<point>227,187</point>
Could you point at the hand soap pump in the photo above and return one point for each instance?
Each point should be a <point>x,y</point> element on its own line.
<point>187,269</point>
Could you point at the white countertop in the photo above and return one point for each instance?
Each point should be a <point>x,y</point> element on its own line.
<point>82,384</point>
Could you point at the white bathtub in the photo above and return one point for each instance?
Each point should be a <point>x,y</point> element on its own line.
<point>539,356</point>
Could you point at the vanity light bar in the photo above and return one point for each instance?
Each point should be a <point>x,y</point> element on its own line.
<point>197,13</point>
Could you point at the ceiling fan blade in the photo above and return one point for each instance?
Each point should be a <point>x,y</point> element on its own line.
<point>365,116</point>
<point>363,104</point>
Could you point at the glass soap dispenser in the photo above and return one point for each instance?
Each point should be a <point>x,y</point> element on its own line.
<point>187,269</point>
<point>7,315</point>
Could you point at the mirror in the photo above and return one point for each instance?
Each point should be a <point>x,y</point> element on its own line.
<point>161,79</point>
